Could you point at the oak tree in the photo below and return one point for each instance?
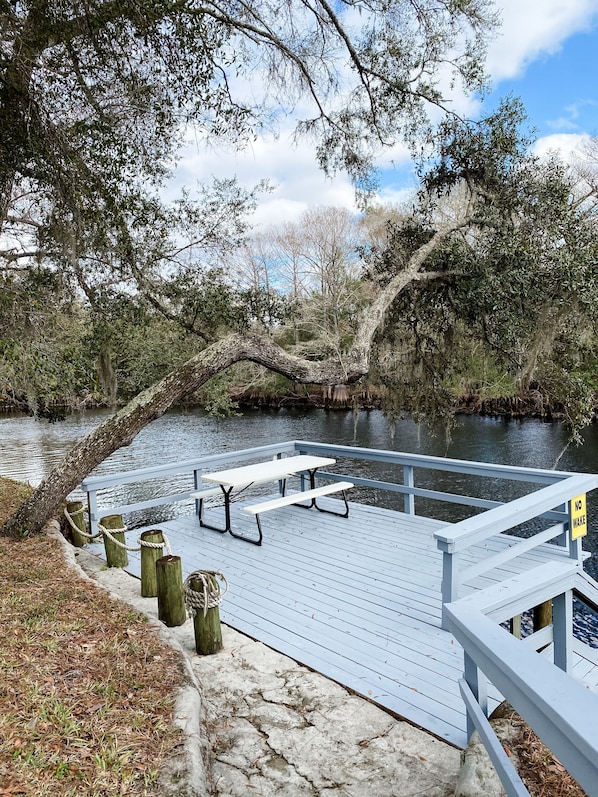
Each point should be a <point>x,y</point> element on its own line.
<point>94,99</point>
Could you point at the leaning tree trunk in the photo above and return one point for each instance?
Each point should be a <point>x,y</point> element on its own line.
<point>121,428</point>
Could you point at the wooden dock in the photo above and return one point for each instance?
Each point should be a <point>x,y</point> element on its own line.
<point>356,599</point>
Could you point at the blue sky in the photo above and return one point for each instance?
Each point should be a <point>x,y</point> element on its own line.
<point>546,53</point>
<point>560,91</point>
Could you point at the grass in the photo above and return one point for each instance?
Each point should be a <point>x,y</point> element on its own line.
<point>86,685</point>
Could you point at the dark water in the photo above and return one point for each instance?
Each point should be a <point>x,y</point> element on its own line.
<point>30,448</point>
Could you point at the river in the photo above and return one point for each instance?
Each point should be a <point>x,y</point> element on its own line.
<point>29,448</point>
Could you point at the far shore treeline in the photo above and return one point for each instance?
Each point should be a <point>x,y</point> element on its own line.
<point>499,318</point>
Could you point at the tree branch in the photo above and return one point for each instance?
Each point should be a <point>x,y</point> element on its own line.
<point>373,317</point>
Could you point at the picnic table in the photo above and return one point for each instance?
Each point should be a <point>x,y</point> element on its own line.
<point>274,470</point>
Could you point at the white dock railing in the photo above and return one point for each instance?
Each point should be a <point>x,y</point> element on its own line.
<point>549,503</point>
<point>559,709</point>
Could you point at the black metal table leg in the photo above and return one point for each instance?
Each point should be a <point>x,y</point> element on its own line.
<point>314,502</point>
<point>331,511</point>
<point>227,525</point>
<point>252,540</point>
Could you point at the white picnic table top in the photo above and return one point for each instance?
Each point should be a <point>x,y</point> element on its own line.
<point>266,471</point>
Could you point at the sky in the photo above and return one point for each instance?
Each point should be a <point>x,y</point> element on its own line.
<point>546,53</point>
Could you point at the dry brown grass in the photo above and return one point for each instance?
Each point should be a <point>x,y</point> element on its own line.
<point>542,773</point>
<point>86,686</point>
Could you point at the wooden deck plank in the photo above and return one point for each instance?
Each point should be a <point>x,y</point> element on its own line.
<point>357,599</point>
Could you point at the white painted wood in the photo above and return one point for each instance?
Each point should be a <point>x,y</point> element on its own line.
<point>560,711</point>
<point>509,776</point>
<point>209,493</point>
<point>508,598</point>
<point>457,536</point>
<point>296,498</point>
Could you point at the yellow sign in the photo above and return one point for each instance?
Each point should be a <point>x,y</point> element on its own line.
<point>579,518</point>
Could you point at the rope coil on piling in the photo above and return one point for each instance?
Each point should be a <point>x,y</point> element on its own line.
<point>211,595</point>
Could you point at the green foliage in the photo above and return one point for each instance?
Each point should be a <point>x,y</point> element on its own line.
<point>569,393</point>
<point>479,373</point>
<point>484,154</point>
<point>216,399</point>
<point>41,354</point>
<point>510,301</point>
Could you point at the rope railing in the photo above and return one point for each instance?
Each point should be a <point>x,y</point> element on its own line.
<point>104,532</point>
<point>69,516</point>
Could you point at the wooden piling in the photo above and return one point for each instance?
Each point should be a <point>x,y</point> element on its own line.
<point>208,631</point>
<point>515,626</point>
<point>116,556</point>
<point>542,615</point>
<point>169,579</point>
<point>149,557</point>
<point>77,516</point>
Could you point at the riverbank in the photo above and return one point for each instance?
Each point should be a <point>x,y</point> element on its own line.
<point>531,404</point>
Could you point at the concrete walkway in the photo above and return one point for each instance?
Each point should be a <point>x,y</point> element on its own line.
<point>258,723</point>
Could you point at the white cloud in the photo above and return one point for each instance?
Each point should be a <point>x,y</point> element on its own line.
<point>574,115</point>
<point>290,168</point>
<point>533,28</point>
<point>567,145</point>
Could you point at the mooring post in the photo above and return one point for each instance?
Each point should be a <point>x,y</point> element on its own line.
<point>208,632</point>
<point>515,626</point>
<point>543,615</point>
<point>202,597</point>
<point>77,517</point>
<point>149,557</point>
<point>169,580</point>
<point>116,555</point>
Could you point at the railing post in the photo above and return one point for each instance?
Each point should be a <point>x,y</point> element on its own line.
<point>197,484</point>
<point>476,680</point>
<point>92,510</point>
<point>450,581</point>
<point>562,630</point>
<point>409,481</point>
